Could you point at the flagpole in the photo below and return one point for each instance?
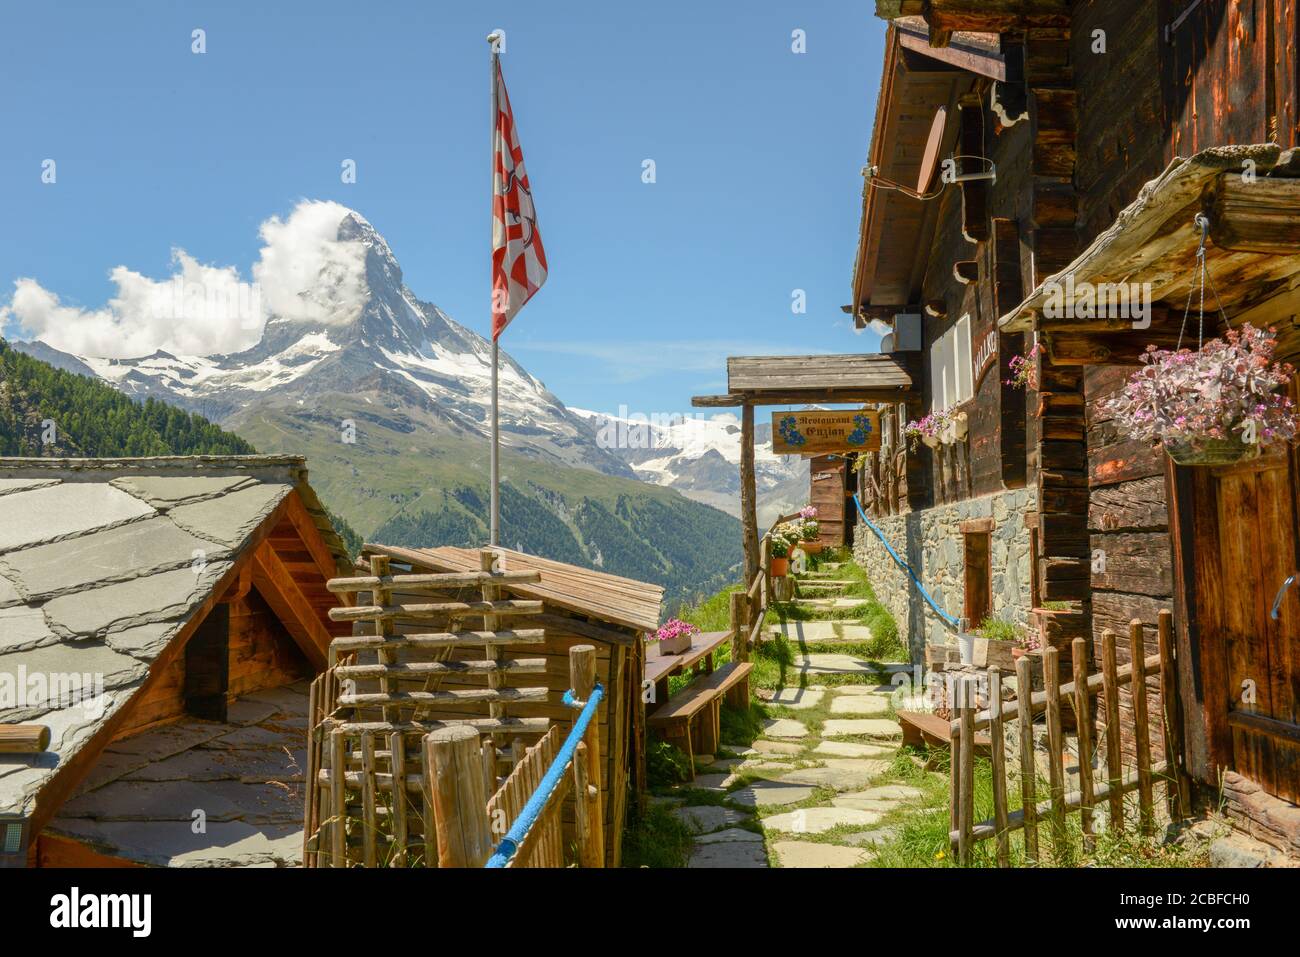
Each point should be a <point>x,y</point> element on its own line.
<point>495,460</point>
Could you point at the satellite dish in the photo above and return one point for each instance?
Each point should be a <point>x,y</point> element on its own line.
<point>930,158</point>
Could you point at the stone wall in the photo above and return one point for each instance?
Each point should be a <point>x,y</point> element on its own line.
<point>931,542</point>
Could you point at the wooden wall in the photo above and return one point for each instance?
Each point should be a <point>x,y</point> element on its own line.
<point>1128,525</point>
<point>617,668</point>
<point>262,655</point>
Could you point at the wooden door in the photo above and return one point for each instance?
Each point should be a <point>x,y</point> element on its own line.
<point>826,475</point>
<point>1258,657</point>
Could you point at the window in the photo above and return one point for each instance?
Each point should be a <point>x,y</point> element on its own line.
<point>951,376</point>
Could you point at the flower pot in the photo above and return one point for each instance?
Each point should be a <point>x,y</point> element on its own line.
<point>1019,652</point>
<point>811,548</point>
<point>780,567</point>
<point>1211,451</point>
<point>931,440</point>
<point>675,646</point>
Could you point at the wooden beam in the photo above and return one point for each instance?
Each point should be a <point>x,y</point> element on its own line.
<point>1262,216</point>
<point>273,581</point>
<point>717,401</point>
<point>748,502</point>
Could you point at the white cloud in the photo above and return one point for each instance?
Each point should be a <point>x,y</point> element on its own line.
<point>304,272</point>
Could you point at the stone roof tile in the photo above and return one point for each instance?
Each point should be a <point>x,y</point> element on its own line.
<point>58,511</point>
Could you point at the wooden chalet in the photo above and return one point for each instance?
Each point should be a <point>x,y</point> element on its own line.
<point>159,621</point>
<point>1110,125</point>
<point>578,607</point>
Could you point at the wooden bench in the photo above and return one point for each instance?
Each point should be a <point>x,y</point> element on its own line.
<point>693,716</point>
<point>929,730</point>
<point>674,720</point>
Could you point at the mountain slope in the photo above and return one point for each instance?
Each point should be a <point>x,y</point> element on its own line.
<point>389,399</point>
<point>699,456</point>
<point>45,411</point>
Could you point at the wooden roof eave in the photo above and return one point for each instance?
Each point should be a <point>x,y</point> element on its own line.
<point>912,80</point>
<point>1154,240</point>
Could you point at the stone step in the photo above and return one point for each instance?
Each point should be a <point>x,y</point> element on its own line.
<point>830,604</point>
<point>813,854</point>
<point>822,630</point>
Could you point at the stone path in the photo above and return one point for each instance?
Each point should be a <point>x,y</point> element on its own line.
<point>806,792</point>
<point>799,797</point>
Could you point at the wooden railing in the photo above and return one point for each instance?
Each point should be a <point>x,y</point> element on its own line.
<point>749,607</point>
<point>966,832</point>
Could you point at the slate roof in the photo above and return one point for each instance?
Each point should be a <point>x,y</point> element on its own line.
<point>245,774</point>
<point>102,562</point>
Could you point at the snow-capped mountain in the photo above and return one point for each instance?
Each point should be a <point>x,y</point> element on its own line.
<point>699,456</point>
<point>408,353</point>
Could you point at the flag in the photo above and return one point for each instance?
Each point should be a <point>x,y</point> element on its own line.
<point>518,259</point>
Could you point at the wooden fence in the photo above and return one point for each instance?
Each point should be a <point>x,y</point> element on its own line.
<point>748,608</point>
<point>387,764</point>
<point>1079,694</point>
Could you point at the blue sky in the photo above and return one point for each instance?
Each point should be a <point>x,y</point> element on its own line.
<point>757,153</point>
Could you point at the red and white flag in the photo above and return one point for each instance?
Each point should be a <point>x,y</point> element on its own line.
<point>518,259</point>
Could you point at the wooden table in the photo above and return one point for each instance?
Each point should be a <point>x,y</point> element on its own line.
<point>658,668</point>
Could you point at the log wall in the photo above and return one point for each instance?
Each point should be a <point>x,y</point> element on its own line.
<point>1130,558</point>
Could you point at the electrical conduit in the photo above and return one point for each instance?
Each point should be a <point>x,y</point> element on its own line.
<point>906,567</point>
<point>550,780</point>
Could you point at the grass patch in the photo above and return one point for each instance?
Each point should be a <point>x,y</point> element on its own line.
<point>656,838</point>
<point>666,765</point>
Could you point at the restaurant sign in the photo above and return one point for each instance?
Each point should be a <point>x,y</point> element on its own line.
<point>817,432</point>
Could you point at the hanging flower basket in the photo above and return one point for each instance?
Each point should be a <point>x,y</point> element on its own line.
<point>1206,452</point>
<point>1216,406</point>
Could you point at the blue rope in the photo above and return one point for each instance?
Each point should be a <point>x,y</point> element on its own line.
<point>908,568</point>
<point>518,831</point>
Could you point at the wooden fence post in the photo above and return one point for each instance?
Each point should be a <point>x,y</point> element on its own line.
<point>1055,744</point>
<point>739,626</point>
<point>1114,756</point>
<point>453,759</point>
<point>1083,716</point>
<point>966,772</point>
<point>1141,730</point>
<point>1180,785</point>
<point>582,677</point>
<point>1028,766</point>
<point>998,754</point>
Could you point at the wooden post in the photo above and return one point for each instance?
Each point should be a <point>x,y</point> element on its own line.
<point>739,626</point>
<point>584,826</point>
<point>1083,718</point>
<point>1180,785</point>
<point>1055,745</point>
<point>452,758</point>
<point>999,767</point>
<point>1141,730</point>
<point>1028,766</point>
<point>765,564</point>
<point>486,563</point>
<point>338,801</point>
<point>582,677</point>
<point>748,498</point>
<point>966,778</point>
<point>379,566</point>
<point>369,813</point>
<point>24,738</point>
<point>1114,757</point>
<point>397,762</point>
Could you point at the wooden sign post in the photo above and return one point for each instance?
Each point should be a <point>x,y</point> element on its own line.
<point>819,433</point>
